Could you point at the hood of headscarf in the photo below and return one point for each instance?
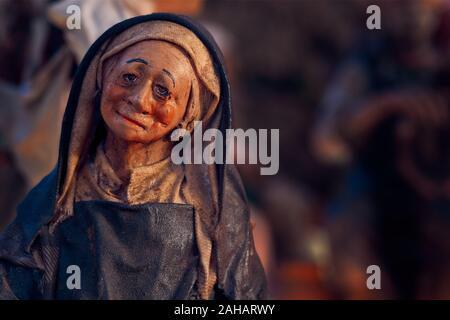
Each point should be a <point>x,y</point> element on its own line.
<point>202,104</point>
<point>81,114</point>
<point>227,255</point>
<point>203,98</point>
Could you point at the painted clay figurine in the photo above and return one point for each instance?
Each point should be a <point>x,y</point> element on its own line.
<point>116,211</point>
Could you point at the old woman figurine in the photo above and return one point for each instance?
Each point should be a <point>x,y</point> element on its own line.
<point>116,210</point>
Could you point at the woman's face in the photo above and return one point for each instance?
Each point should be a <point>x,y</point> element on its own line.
<point>146,91</point>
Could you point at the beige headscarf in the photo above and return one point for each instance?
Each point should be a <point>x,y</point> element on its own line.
<point>203,101</point>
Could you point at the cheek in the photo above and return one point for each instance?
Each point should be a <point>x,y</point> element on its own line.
<point>114,93</point>
<point>111,97</point>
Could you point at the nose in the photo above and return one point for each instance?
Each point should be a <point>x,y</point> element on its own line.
<point>141,101</point>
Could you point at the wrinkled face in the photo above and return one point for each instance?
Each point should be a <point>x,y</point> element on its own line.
<point>146,92</point>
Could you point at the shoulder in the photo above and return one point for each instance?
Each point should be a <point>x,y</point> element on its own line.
<point>39,197</point>
<point>32,213</point>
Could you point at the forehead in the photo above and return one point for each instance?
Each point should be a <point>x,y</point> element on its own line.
<point>159,54</point>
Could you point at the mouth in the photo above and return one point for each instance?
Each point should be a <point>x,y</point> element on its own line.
<point>132,121</point>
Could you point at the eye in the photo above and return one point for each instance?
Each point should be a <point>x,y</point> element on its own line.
<point>162,91</point>
<point>129,78</point>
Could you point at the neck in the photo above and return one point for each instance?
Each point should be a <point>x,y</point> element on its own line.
<point>125,156</point>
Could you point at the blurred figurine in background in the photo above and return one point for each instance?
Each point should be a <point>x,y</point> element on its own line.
<point>137,225</point>
<point>386,120</point>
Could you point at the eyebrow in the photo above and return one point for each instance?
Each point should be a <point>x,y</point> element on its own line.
<point>140,60</point>
<point>170,76</point>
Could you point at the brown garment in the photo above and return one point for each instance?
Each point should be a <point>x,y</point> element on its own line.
<point>159,182</point>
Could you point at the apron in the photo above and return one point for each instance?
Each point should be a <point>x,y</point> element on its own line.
<point>124,251</point>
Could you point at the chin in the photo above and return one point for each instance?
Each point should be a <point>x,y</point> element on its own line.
<point>131,135</point>
<point>136,138</point>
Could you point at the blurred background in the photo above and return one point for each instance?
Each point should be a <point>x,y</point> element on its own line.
<point>364,120</point>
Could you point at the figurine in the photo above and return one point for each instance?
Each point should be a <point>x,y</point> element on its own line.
<point>116,218</point>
